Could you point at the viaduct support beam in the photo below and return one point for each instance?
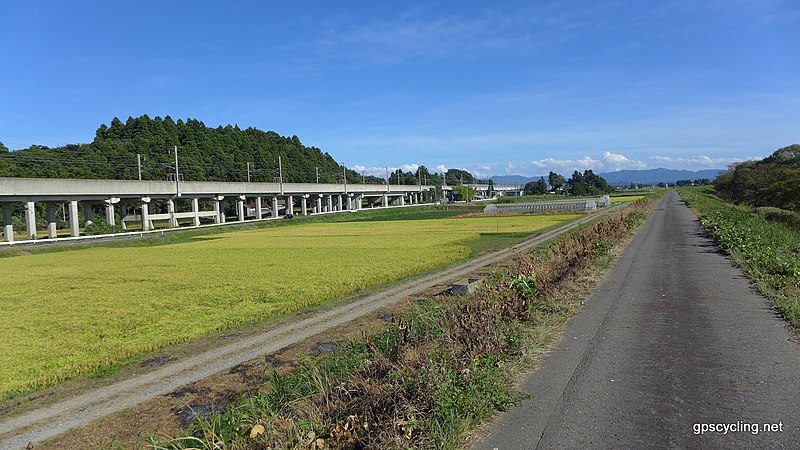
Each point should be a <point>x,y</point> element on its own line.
<point>402,200</point>
<point>274,207</point>
<point>219,214</point>
<point>385,200</point>
<point>259,216</point>
<point>8,224</point>
<point>52,227</point>
<point>196,212</point>
<point>146,224</point>
<point>304,205</point>
<point>349,202</point>
<point>289,205</point>
<point>330,203</point>
<point>74,226</point>
<point>319,204</point>
<point>30,219</point>
<point>338,202</point>
<point>173,221</point>
<point>240,207</point>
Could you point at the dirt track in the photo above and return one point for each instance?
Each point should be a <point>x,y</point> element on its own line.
<point>62,416</point>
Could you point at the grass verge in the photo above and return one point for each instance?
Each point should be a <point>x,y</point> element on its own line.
<point>441,368</point>
<point>767,252</point>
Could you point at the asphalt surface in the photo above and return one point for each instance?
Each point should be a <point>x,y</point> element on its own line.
<point>675,338</point>
<point>61,417</point>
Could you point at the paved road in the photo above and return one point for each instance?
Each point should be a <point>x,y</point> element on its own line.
<point>52,420</point>
<point>676,337</point>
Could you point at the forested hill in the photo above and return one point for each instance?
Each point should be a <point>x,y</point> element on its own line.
<point>220,154</point>
<point>773,181</point>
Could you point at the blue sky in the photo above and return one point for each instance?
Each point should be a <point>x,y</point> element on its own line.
<point>509,88</point>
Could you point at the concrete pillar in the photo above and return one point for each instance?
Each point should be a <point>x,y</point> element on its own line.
<point>8,224</point>
<point>349,202</point>
<point>74,226</point>
<point>111,220</point>
<point>87,214</point>
<point>304,205</point>
<point>30,219</point>
<point>274,207</point>
<point>123,212</point>
<point>289,205</point>
<point>173,221</point>
<point>146,224</point>
<point>196,212</point>
<point>259,216</point>
<point>358,198</point>
<point>338,202</point>
<point>385,200</point>
<point>318,209</point>
<point>402,200</point>
<point>330,203</point>
<point>240,207</point>
<point>52,228</point>
<point>219,214</point>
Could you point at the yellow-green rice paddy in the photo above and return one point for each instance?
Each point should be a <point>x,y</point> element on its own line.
<point>625,198</point>
<point>68,313</point>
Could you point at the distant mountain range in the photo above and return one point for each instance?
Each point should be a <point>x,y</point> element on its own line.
<point>625,177</point>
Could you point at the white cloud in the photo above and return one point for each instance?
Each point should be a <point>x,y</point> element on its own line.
<point>510,166</point>
<point>374,171</point>
<point>409,167</point>
<point>700,161</point>
<point>608,162</point>
<point>441,168</point>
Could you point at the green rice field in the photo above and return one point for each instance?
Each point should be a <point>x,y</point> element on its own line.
<point>68,313</point>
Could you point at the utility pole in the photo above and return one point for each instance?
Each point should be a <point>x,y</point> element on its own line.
<point>344,177</point>
<point>177,173</point>
<point>387,177</point>
<point>139,165</point>
<point>280,173</point>
<point>317,174</point>
<point>248,172</point>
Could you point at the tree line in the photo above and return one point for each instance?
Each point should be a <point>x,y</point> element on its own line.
<point>774,181</point>
<point>579,184</point>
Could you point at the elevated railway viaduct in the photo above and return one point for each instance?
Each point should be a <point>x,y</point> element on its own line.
<point>132,201</point>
